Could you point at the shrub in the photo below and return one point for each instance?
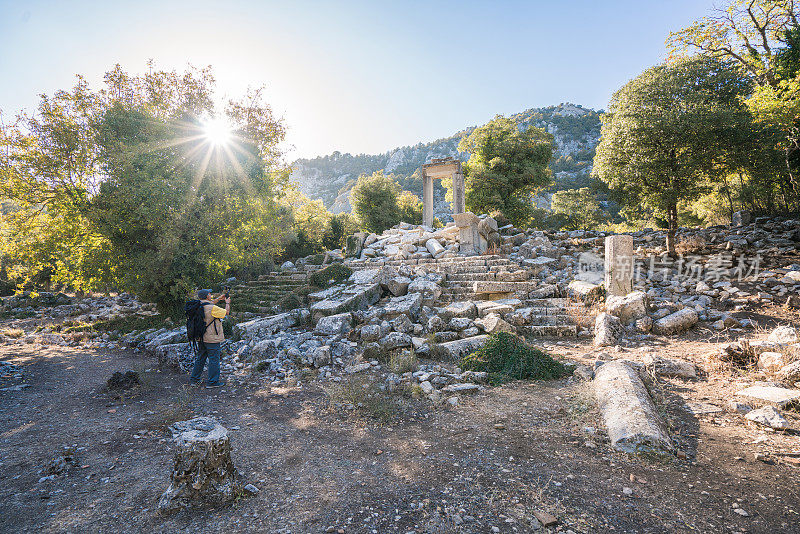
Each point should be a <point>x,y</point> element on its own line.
<point>336,272</point>
<point>291,301</point>
<point>506,357</point>
<point>403,362</point>
<point>315,259</point>
<point>373,351</point>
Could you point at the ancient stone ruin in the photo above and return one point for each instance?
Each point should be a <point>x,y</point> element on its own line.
<point>436,170</point>
<point>203,471</point>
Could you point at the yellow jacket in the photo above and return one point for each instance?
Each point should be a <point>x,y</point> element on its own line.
<point>213,319</point>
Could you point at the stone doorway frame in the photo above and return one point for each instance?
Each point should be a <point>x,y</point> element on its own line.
<point>436,170</point>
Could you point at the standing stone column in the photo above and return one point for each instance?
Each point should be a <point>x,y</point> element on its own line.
<point>427,200</point>
<point>619,265</point>
<point>458,193</point>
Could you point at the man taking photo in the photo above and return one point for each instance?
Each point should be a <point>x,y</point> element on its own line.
<point>211,346</point>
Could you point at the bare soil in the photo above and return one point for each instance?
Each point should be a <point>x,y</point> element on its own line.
<point>496,460</point>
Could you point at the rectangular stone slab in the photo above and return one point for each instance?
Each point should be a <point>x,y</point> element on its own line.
<point>777,396</point>
<point>460,347</point>
<point>490,286</point>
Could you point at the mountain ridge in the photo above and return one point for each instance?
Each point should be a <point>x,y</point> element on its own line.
<point>329,178</point>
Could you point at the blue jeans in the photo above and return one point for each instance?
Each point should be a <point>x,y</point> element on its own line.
<point>212,352</point>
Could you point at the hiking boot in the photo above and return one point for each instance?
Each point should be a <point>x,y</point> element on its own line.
<point>214,386</point>
<point>194,384</point>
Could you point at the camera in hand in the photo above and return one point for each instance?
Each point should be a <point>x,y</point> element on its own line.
<point>227,292</point>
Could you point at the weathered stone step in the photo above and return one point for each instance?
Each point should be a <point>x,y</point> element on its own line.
<point>549,330</point>
<point>274,283</point>
<point>483,261</point>
<point>284,276</point>
<point>556,310</point>
<point>550,302</point>
<point>504,287</point>
<point>551,320</point>
<point>520,276</point>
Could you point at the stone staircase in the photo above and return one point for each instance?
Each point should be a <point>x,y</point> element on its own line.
<point>495,277</point>
<point>260,296</point>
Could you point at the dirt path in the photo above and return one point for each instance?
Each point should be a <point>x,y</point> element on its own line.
<point>496,460</point>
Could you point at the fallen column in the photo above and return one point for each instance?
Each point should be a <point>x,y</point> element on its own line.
<point>628,412</point>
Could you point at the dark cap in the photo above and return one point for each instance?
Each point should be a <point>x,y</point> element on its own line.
<point>203,293</point>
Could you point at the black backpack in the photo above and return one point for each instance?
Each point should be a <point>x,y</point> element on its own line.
<point>195,322</point>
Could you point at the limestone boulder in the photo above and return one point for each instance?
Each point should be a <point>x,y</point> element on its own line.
<point>453,350</point>
<point>347,298</point>
<point>402,324</point>
<point>370,332</point>
<point>783,335</point>
<point>768,416</point>
<point>434,247</point>
<point>494,323</point>
<point>395,340</point>
<point>457,324</point>
<point>628,308</point>
<point>676,323</point>
<point>265,326</point>
<point>771,361</point>
<point>366,276</point>
<point>585,291</point>
<point>790,372</point>
<point>460,309</point>
<point>607,329</point>
<point>429,291</point>
<point>409,305</point>
<point>435,324</point>
<point>332,325</point>
<point>321,356</point>
<point>670,366</point>
<point>398,285</point>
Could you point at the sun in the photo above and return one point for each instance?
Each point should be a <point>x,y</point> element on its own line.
<point>217,131</point>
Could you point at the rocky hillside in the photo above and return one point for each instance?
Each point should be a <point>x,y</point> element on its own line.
<point>330,178</point>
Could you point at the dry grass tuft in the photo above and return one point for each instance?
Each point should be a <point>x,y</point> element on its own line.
<point>363,397</point>
<point>13,333</point>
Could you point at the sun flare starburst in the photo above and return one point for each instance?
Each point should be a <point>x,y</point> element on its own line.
<point>217,131</point>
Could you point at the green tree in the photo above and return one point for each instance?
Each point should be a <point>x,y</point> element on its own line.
<point>672,130</point>
<point>505,168</point>
<point>762,37</point>
<point>339,227</point>
<point>126,189</point>
<point>410,207</point>
<point>374,200</point>
<point>579,207</point>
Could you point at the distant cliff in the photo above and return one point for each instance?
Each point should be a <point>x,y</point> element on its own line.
<point>576,131</point>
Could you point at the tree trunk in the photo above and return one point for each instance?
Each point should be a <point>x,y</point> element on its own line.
<point>672,220</point>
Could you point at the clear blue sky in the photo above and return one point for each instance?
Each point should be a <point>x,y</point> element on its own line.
<point>351,76</point>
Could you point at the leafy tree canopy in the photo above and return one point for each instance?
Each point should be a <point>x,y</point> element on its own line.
<point>506,166</point>
<point>125,190</point>
<point>671,130</point>
<point>374,200</point>
<point>762,37</point>
<point>579,207</point>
